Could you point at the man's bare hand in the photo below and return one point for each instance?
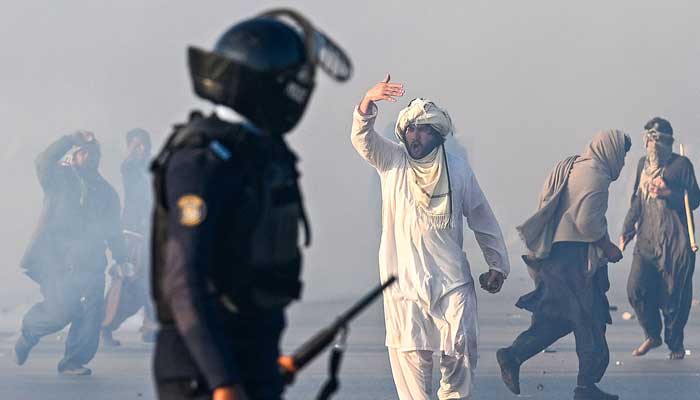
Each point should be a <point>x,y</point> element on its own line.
<point>612,252</point>
<point>234,392</point>
<point>614,255</point>
<point>87,136</point>
<point>83,136</point>
<point>659,189</point>
<point>622,244</point>
<point>492,281</point>
<point>383,90</point>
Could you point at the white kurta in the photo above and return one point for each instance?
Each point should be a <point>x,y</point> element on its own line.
<point>433,305</point>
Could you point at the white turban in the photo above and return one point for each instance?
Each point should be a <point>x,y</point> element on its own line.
<point>423,112</point>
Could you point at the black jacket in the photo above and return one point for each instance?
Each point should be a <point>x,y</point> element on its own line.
<point>79,218</point>
<point>138,195</point>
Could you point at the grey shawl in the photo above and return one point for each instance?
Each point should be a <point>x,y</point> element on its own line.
<point>537,232</point>
<point>574,200</point>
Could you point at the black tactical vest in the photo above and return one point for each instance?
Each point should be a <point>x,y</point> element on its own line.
<point>258,258</point>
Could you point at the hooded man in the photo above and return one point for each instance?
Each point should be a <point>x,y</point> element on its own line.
<point>568,251</point>
<point>129,291</point>
<point>79,221</point>
<point>425,192</point>
<point>663,263</point>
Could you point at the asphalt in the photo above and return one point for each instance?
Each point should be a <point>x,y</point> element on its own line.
<point>124,372</point>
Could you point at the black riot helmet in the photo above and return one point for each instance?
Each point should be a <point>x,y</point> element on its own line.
<point>264,68</point>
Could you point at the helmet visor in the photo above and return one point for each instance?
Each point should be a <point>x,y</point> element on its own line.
<point>321,50</point>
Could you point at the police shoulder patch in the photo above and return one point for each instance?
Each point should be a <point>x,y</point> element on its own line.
<point>193,210</point>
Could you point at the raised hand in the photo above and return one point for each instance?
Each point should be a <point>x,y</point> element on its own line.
<point>83,136</point>
<point>87,136</point>
<point>384,90</point>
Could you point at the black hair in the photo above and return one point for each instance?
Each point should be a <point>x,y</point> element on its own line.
<point>628,144</point>
<point>660,125</point>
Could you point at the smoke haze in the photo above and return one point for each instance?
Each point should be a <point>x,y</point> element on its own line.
<point>526,83</point>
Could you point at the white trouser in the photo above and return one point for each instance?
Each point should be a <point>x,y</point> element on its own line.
<point>413,375</point>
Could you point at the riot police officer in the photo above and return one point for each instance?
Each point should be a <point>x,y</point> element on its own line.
<point>228,209</point>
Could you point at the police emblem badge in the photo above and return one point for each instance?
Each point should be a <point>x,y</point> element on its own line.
<point>193,210</point>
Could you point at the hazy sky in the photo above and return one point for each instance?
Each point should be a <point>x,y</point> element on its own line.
<point>527,83</point>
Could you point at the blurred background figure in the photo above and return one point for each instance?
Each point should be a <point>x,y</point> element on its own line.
<point>129,290</point>
<point>66,255</point>
<point>660,280</point>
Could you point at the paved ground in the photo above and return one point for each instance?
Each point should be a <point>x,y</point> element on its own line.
<point>123,373</point>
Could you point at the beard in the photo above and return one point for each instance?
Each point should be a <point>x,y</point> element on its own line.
<point>416,150</point>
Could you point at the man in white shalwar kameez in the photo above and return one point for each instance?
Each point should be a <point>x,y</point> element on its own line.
<point>425,192</point>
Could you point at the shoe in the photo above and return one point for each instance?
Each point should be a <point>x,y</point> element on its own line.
<point>75,371</point>
<point>22,349</point>
<point>510,369</point>
<point>108,340</point>
<point>592,392</point>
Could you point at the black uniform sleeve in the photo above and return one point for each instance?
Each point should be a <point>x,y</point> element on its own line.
<point>194,199</point>
<point>682,180</point>
<point>46,162</point>
<point>629,229</point>
<point>131,168</point>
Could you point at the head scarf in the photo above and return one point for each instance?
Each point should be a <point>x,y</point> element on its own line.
<point>607,153</point>
<point>88,174</point>
<point>658,155</point>
<point>94,154</point>
<point>430,179</point>
<point>141,134</point>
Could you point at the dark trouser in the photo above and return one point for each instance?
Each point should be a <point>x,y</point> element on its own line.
<point>591,346</point>
<point>652,294</point>
<point>124,299</point>
<point>255,341</point>
<point>71,298</point>
<point>127,296</point>
<point>184,389</point>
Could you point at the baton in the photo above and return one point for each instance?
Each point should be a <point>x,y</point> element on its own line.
<point>689,215</point>
<point>291,364</point>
